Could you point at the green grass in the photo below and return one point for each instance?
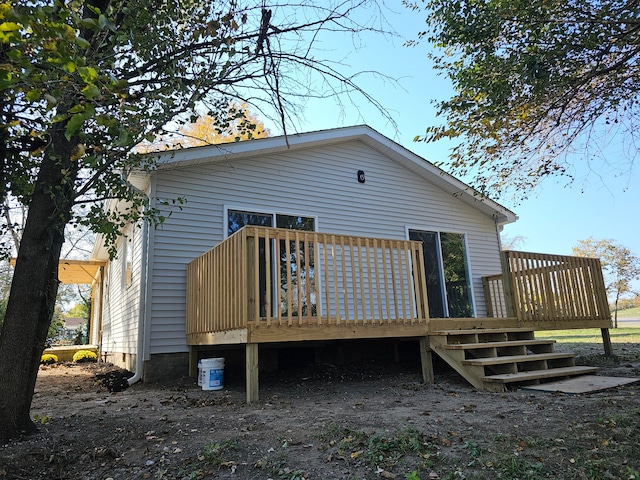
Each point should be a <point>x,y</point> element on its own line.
<point>406,451</point>
<point>600,448</point>
<point>591,335</point>
<point>215,453</point>
<point>629,313</point>
<point>587,344</point>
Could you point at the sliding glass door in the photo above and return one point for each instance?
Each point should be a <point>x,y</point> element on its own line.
<point>447,271</point>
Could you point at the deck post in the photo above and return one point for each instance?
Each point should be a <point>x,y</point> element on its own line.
<point>252,372</point>
<point>426,360</point>
<point>606,340</point>
<point>507,285</point>
<point>193,360</point>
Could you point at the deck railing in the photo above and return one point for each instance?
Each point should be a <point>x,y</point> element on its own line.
<point>216,288</point>
<point>269,276</point>
<point>494,296</point>
<point>549,290</point>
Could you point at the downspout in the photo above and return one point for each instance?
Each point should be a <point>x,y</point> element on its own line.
<point>143,292</point>
<point>143,305</point>
<point>499,228</point>
<point>98,322</point>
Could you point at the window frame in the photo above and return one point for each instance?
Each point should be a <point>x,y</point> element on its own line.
<point>274,219</point>
<point>127,255</point>
<point>257,210</point>
<point>441,270</point>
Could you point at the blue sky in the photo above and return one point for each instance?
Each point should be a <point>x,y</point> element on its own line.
<point>551,220</point>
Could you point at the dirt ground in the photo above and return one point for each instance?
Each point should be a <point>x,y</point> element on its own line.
<point>324,422</point>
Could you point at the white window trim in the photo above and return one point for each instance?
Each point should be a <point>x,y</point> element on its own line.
<point>127,254</point>
<point>264,211</point>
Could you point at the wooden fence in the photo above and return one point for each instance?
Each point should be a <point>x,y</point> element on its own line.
<point>269,276</point>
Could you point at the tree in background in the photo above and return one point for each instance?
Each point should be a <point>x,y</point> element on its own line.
<point>83,82</point>
<point>56,328</point>
<point>620,267</point>
<point>81,310</point>
<point>511,242</point>
<point>534,81</point>
<point>78,245</point>
<point>206,131</point>
<point>5,286</point>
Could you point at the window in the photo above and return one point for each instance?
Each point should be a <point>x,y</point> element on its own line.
<point>236,219</point>
<point>447,271</point>
<point>303,286</point>
<point>127,267</point>
<point>293,222</point>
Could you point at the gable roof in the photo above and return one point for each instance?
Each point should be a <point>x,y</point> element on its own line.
<point>363,133</point>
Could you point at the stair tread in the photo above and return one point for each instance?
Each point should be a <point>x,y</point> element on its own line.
<point>538,374</point>
<point>532,357</point>
<point>505,343</point>
<point>482,330</point>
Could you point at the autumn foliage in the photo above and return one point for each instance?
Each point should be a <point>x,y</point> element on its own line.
<point>207,130</point>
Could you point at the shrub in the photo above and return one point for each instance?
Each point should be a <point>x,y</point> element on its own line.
<point>83,356</point>
<point>48,359</point>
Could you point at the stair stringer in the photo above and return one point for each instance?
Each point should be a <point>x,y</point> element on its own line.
<point>473,374</point>
<point>486,345</point>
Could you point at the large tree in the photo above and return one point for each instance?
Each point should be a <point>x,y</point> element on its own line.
<point>206,131</point>
<point>620,265</point>
<point>82,82</point>
<point>539,85</point>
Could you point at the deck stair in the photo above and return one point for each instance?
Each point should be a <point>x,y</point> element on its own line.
<point>494,358</point>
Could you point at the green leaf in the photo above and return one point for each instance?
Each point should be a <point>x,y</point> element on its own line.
<point>91,91</point>
<point>9,27</point>
<point>77,120</point>
<point>77,109</point>
<point>69,33</point>
<point>106,121</point>
<point>6,37</point>
<point>121,84</point>
<point>125,138</point>
<point>74,125</point>
<point>93,8</point>
<point>87,74</point>
<point>89,23</point>
<point>82,43</point>
<point>59,118</point>
<point>33,95</point>
<point>69,66</point>
<point>89,111</point>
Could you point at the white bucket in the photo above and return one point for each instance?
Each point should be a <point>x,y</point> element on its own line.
<point>212,373</point>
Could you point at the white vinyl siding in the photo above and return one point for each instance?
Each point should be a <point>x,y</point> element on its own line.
<point>121,301</point>
<point>321,182</point>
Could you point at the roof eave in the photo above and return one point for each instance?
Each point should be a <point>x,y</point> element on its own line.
<point>369,136</point>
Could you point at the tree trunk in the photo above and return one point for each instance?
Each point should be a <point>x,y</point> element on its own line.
<point>35,285</point>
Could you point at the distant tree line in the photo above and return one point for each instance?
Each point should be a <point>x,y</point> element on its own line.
<point>627,303</point>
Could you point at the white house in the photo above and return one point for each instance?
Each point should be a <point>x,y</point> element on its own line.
<point>344,181</point>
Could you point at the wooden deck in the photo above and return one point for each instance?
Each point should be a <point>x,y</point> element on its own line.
<point>269,285</point>
<point>272,285</point>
